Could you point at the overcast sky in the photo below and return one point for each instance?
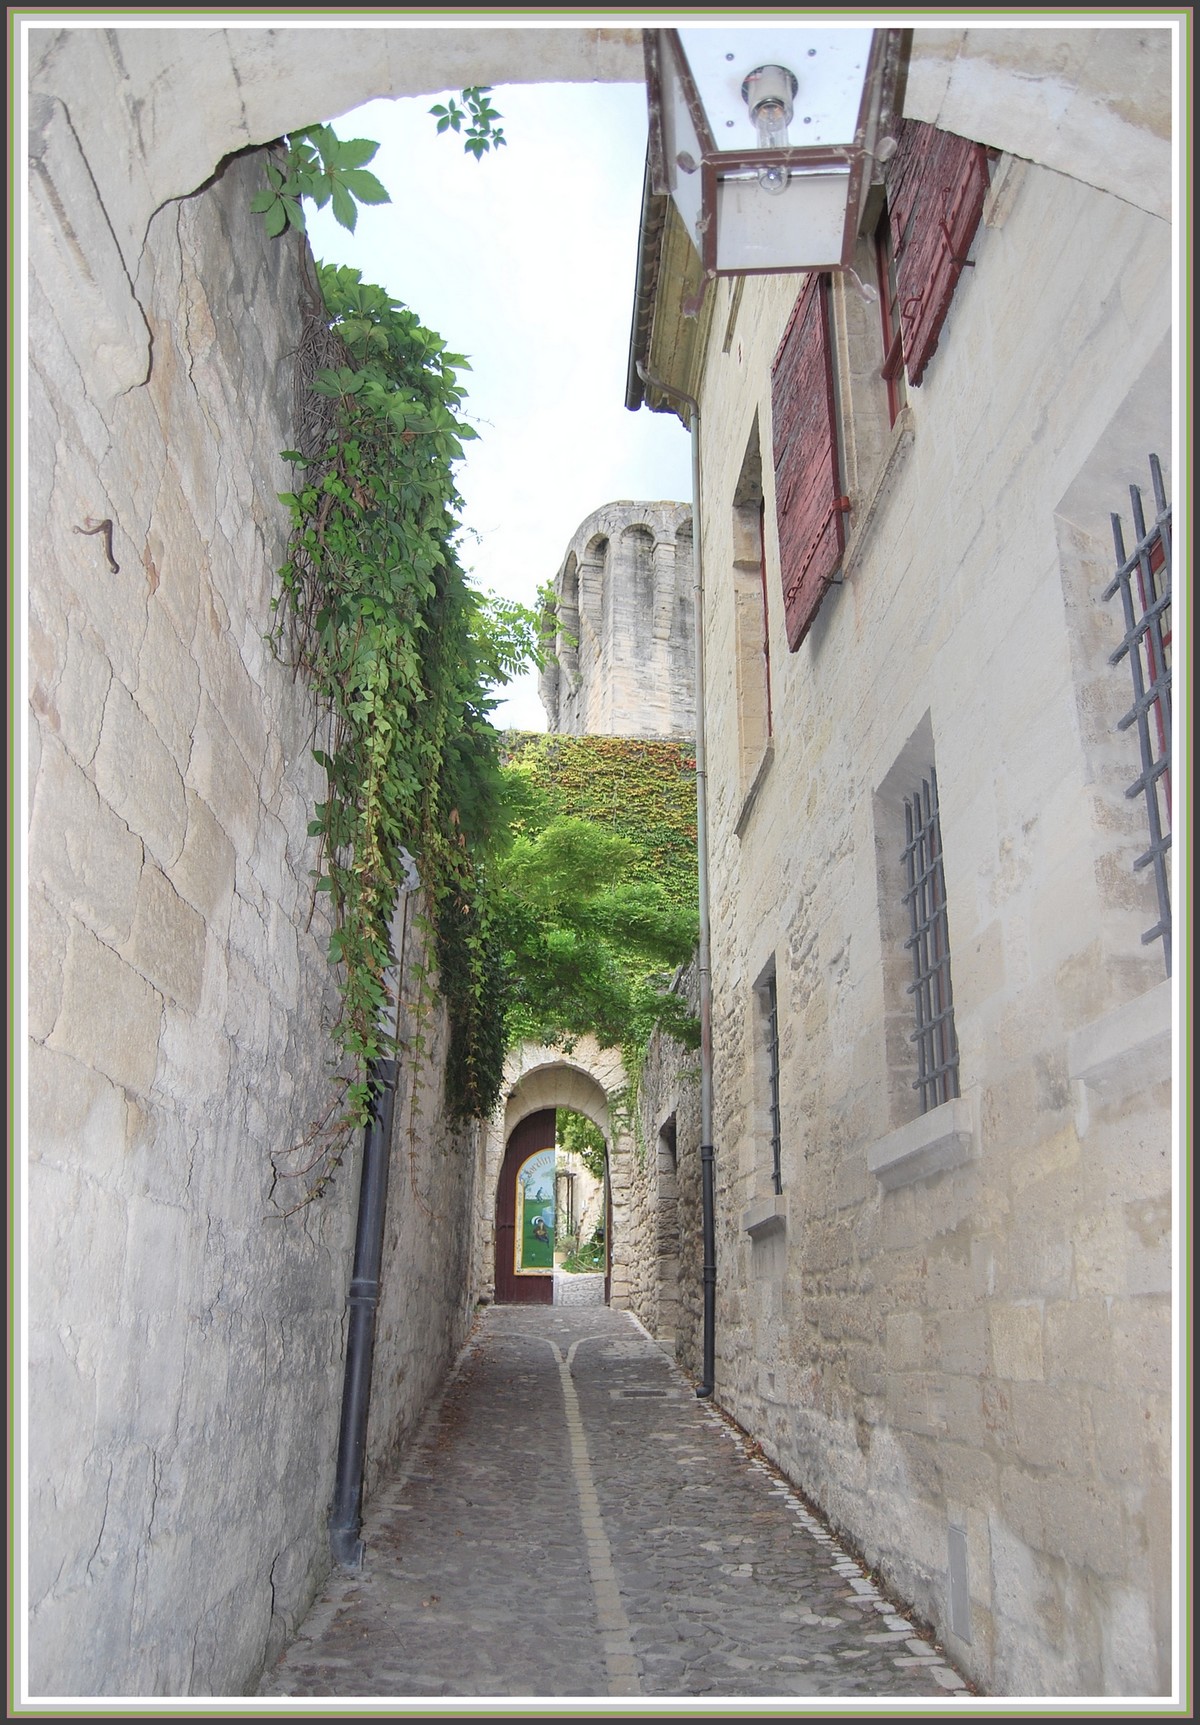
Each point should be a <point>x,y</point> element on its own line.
<point>524,261</point>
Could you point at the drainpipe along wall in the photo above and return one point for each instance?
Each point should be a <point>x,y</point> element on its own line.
<point>345,1518</point>
<point>704,960</point>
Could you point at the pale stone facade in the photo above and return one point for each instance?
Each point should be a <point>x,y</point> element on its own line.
<point>625,634</point>
<point>954,1331</point>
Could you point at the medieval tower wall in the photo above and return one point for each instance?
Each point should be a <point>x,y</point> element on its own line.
<point>625,656</point>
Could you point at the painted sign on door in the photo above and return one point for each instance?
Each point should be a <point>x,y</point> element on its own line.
<point>535,1214</point>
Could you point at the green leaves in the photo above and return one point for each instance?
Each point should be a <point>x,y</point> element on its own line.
<point>325,168</point>
<point>279,204</point>
<point>586,943</point>
<point>475,121</point>
<point>318,165</point>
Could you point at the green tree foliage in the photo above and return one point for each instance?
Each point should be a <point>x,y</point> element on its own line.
<point>315,163</point>
<point>574,1131</point>
<point>476,115</point>
<point>591,925</point>
<point>643,789</point>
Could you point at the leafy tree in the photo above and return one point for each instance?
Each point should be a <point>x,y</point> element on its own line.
<point>587,947</point>
<point>575,1131</point>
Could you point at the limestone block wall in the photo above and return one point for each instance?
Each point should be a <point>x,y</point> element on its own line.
<point>426,1298</point>
<point>186,1337</point>
<point>956,1336</point>
<point>669,1188</point>
<point>624,663</point>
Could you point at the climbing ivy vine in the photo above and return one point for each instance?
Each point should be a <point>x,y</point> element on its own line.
<point>315,163</point>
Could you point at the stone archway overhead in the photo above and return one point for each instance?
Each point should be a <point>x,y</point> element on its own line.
<point>155,111</point>
<point>557,1084</point>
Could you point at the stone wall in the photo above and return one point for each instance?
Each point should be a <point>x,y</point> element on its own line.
<point>669,1186</point>
<point>186,1336</point>
<point>955,1333</point>
<point>625,655</point>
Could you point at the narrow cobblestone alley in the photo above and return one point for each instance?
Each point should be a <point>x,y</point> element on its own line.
<point>575,1523</point>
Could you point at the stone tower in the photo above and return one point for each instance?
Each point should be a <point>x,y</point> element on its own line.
<point>625,659</point>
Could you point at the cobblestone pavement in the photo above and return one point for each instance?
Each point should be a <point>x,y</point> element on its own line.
<point>574,1523</point>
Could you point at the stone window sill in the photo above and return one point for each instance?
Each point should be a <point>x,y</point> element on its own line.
<point>756,785</point>
<point>866,509</point>
<point>944,1138</point>
<point>1129,1049</point>
<point>766,1216</point>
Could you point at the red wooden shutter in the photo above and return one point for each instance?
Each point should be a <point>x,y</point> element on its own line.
<point>808,500</point>
<point>937,182</point>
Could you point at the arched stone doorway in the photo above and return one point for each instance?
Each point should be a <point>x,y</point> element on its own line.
<point>533,1233</point>
<point>525,1214</point>
<point>519,1183</point>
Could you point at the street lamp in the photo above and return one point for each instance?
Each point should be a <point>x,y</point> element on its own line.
<point>764,138</point>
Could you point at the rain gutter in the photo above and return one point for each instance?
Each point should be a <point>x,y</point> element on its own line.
<point>345,1517</point>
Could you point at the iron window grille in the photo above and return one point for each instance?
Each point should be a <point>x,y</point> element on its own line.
<point>770,999</point>
<point>933,1003</point>
<point>1143,579</point>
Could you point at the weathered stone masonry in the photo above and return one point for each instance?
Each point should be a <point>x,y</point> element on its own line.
<point>186,1341</point>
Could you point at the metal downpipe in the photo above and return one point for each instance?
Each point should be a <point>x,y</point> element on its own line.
<point>345,1519</point>
<point>704,957</point>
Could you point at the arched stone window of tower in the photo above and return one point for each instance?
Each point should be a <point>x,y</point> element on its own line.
<point>633,600</point>
<point>568,617</point>
<point>592,567</point>
<point>683,632</point>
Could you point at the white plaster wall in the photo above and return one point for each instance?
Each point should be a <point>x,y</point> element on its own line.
<point>963,1349</point>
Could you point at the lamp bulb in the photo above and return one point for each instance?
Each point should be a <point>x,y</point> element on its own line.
<point>768,93</point>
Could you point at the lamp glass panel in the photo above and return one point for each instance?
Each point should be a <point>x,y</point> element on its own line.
<point>679,138</point>
<point>800,228</point>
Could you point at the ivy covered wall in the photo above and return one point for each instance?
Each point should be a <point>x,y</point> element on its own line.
<point>644,789</point>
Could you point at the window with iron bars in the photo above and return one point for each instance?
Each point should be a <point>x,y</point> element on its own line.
<point>929,944</point>
<point>1143,580</point>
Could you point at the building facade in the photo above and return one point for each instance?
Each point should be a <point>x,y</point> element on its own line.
<point>941,1001</point>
